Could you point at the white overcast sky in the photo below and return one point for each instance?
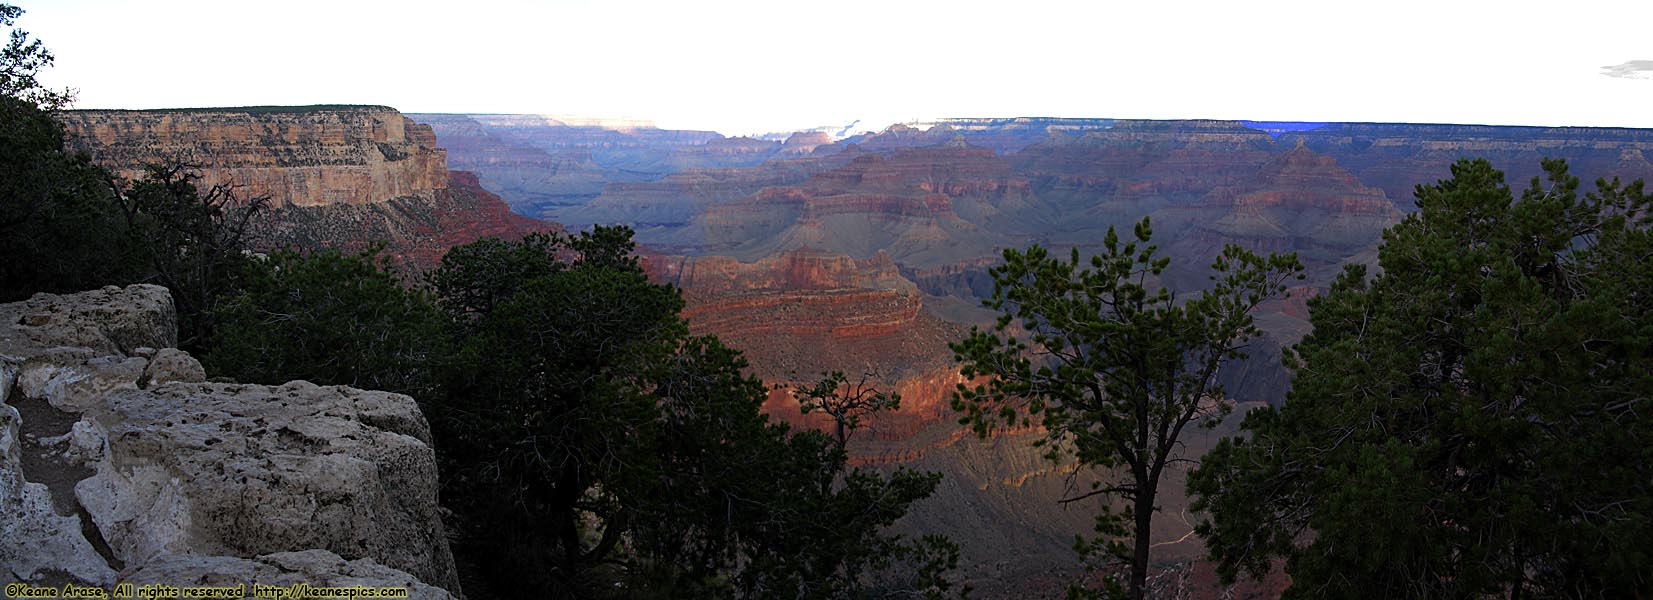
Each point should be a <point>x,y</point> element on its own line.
<point>777,65</point>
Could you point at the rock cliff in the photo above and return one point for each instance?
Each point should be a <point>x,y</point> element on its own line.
<point>801,312</point>
<point>417,230</point>
<point>337,177</point>
<point>1299,201</point>
<point>119,464</point>
<point>298,156</point>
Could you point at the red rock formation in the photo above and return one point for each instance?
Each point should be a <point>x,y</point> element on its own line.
<point>465,212</point>
<point>802,312</point>
<point>299,156</point>
<point>416,230</point>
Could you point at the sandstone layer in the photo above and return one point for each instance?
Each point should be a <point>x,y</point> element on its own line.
<point>337,177</point>
<point>118,463</point>
<point>298,156</point>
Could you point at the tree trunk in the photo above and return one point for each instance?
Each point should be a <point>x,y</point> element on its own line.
<point>1144,515</point>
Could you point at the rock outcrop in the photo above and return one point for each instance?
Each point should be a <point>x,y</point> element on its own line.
<point>337,177</point>
<point>297,156</point>
<point>315,568</point>
<point>241,470</point>
<point>36,543</point>
<point>121,464</point>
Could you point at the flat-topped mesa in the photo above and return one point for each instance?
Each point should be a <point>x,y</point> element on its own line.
<point>298,156</point>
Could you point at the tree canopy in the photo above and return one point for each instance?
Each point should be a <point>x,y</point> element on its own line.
<point>1468,421</point>
<point>329,318</point>
<point>1114,367</point>
<point>593,448</point>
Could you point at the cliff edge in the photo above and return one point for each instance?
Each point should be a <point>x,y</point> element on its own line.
<point>120,464</point>
<point>298,156</point>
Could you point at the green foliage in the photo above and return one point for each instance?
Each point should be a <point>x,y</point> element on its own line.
<point>475,277</point>
<point>1468,422</point>
<point>549,410</point>
<point>824,539</point>
<point>329,318</point>
<point>1115,368</point>
<point>59,230</point>
<point>592,448</point>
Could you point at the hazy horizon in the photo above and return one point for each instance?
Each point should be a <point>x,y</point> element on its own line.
<point>752,68</point>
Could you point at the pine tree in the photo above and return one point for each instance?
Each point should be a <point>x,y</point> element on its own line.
<point>1468,422</point>
<point>1115,368</point>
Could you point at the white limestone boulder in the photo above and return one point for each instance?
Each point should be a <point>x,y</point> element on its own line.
<point>244,470</point>
<point>317,568</point>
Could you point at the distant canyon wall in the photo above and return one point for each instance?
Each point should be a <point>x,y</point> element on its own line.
<point>340,177</point>
<point>297,156</point>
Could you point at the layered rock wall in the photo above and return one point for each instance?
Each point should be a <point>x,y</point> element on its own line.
<point>337,177</point>
<point>298,156</point>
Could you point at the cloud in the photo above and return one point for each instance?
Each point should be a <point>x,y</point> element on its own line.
<point>1633,69</point>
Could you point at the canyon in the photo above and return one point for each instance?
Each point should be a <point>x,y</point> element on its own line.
<point>867,254</point>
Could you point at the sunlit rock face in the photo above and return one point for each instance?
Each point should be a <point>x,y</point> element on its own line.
<point>336,177</point>
<point>297,156</point>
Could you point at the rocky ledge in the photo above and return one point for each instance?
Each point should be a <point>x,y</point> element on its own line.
<point>120,464</point>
